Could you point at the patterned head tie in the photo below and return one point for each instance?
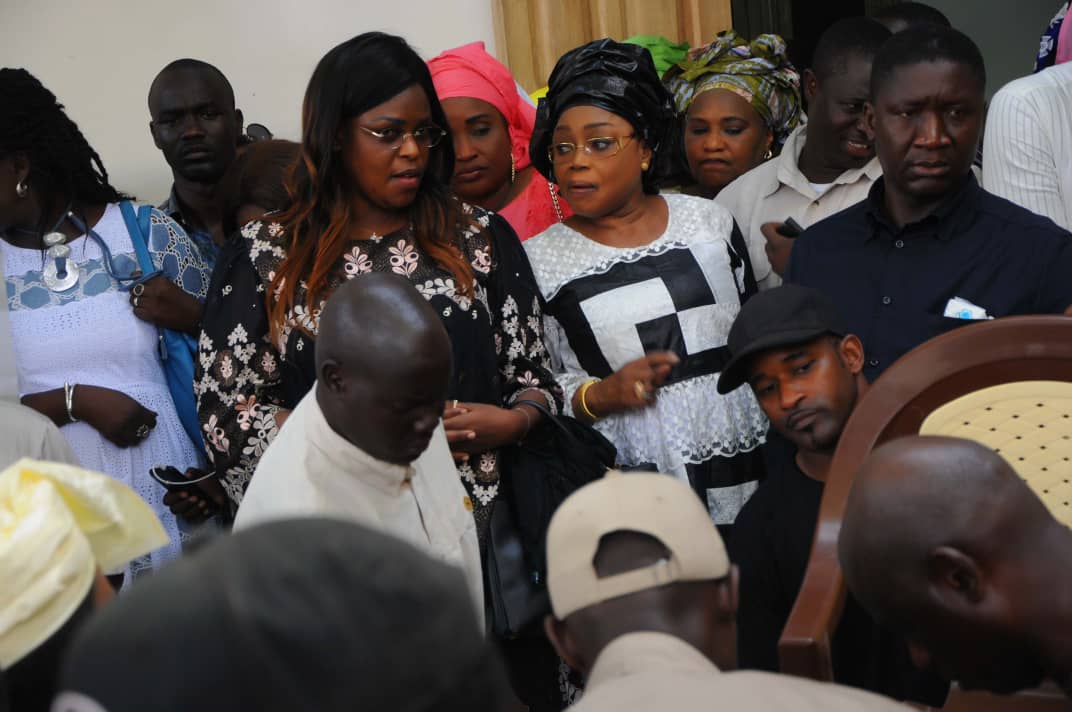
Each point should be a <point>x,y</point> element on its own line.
<point>757,71</point>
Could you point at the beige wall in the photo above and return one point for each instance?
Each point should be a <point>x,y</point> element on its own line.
<point>99,57</point>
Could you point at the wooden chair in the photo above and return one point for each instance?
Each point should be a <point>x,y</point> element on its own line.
<point>959,384</point>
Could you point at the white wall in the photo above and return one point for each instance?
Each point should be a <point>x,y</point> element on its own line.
<point>100,56</point>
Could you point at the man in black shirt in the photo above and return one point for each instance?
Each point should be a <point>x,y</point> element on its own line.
<point>789,344</point>
<point>929,250</point>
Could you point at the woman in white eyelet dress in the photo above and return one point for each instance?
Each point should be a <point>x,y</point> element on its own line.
<point>90,336</point>
<point>51,180</point>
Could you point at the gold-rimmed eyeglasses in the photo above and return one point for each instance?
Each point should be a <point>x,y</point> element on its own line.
<point>599,147</point>
<point>392,138</point>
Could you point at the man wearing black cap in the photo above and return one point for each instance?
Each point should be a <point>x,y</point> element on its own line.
<point>790,345</point>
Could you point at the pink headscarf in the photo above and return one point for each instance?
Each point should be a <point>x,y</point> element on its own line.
<point>1064,40</point>
<point>469,71</point>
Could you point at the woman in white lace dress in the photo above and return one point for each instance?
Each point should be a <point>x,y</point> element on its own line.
<point>641,288</point>
<point>85,357</point>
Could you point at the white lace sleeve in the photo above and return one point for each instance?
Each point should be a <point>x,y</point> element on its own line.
<point>564,363</point>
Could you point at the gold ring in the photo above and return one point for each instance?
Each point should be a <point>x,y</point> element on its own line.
<point>139,289</point>
<point>640,391</point>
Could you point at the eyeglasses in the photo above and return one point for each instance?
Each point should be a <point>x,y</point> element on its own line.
<point>392,138</point>
<point>599,147</point>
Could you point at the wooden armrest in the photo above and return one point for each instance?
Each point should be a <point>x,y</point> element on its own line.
<point>804,648</point>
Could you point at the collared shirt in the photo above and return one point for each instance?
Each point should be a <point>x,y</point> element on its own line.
<point>310,470</point>
<point>776,190</point>
<point>655,671</point>
<point>202,239</point>
<point>1028,146</point>
<point>893,286</point>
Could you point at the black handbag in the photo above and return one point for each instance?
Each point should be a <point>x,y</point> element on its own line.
<point>559,456</point>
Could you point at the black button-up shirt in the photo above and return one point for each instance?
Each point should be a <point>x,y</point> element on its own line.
<point>892,285</point>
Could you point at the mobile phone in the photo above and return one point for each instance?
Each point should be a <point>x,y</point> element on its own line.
<point>176,481</point>
<point>790,228</point>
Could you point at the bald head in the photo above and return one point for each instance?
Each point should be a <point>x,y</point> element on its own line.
<point>944,543</point>
<point>917,494</point>
<point>383,364</point>
<point>377,319</point>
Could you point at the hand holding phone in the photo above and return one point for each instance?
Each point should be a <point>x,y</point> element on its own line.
<point>790,228</point>
<point>186,496</point>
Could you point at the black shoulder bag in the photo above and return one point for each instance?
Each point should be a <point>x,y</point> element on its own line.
<point>559,456</point>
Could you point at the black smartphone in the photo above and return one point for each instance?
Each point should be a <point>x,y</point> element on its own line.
<point>790,228</point>
<point>176,481</point>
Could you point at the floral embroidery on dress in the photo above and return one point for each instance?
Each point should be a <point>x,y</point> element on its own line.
<point>501,354</point>
<point>356,262</point>
<point>404,258</point>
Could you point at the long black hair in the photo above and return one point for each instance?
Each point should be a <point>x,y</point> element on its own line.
<point>63,166</point>
<point>352,78</point>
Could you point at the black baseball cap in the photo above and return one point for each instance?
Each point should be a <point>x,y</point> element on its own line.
<point>777,317</point>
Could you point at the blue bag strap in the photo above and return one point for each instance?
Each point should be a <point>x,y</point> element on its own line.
<point>138,227</point>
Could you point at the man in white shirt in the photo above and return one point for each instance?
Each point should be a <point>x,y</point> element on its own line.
<point>366,444</point>
<point>645,603</point>
<point>826,165</point>
<point>1027,149</point>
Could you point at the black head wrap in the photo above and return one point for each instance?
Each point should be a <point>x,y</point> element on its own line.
<point>305,614</point>
<point>622,79</point>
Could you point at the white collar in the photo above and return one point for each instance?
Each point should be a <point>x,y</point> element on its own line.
<point>347,459</point>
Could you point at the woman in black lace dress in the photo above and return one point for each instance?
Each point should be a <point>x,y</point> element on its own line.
<point>370,194</point>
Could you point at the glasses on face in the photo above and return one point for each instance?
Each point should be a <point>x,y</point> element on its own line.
<point>392,138</point>
<point>599,147</point>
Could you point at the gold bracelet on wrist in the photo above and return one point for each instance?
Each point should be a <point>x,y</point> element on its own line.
<point>584,403</point>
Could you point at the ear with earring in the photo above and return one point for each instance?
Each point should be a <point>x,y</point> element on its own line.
<point>21,190</point>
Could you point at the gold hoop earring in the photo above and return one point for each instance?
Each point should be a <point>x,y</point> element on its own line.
<point>21,190</point>
<point>513,169</point>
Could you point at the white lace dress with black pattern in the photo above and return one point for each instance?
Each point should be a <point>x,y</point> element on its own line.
<point>89,335</point>
<point>607,306</point>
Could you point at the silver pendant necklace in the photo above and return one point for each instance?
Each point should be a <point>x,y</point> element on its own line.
<point>60,274</point>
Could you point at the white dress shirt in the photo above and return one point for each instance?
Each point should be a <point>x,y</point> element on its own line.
<point>776,190</point>
<point>310,470</point>
<point>1027,152</point>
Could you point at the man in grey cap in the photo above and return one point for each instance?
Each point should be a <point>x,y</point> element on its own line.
<point>790,346</point>
<point>645,599</point>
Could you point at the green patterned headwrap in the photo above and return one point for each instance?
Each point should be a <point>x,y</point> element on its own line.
<point>758,71</point>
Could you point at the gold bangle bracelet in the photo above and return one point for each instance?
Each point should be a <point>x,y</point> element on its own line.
<point>584,403</point>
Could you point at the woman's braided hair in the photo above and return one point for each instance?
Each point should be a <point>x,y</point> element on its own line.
<point>63,166</point>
